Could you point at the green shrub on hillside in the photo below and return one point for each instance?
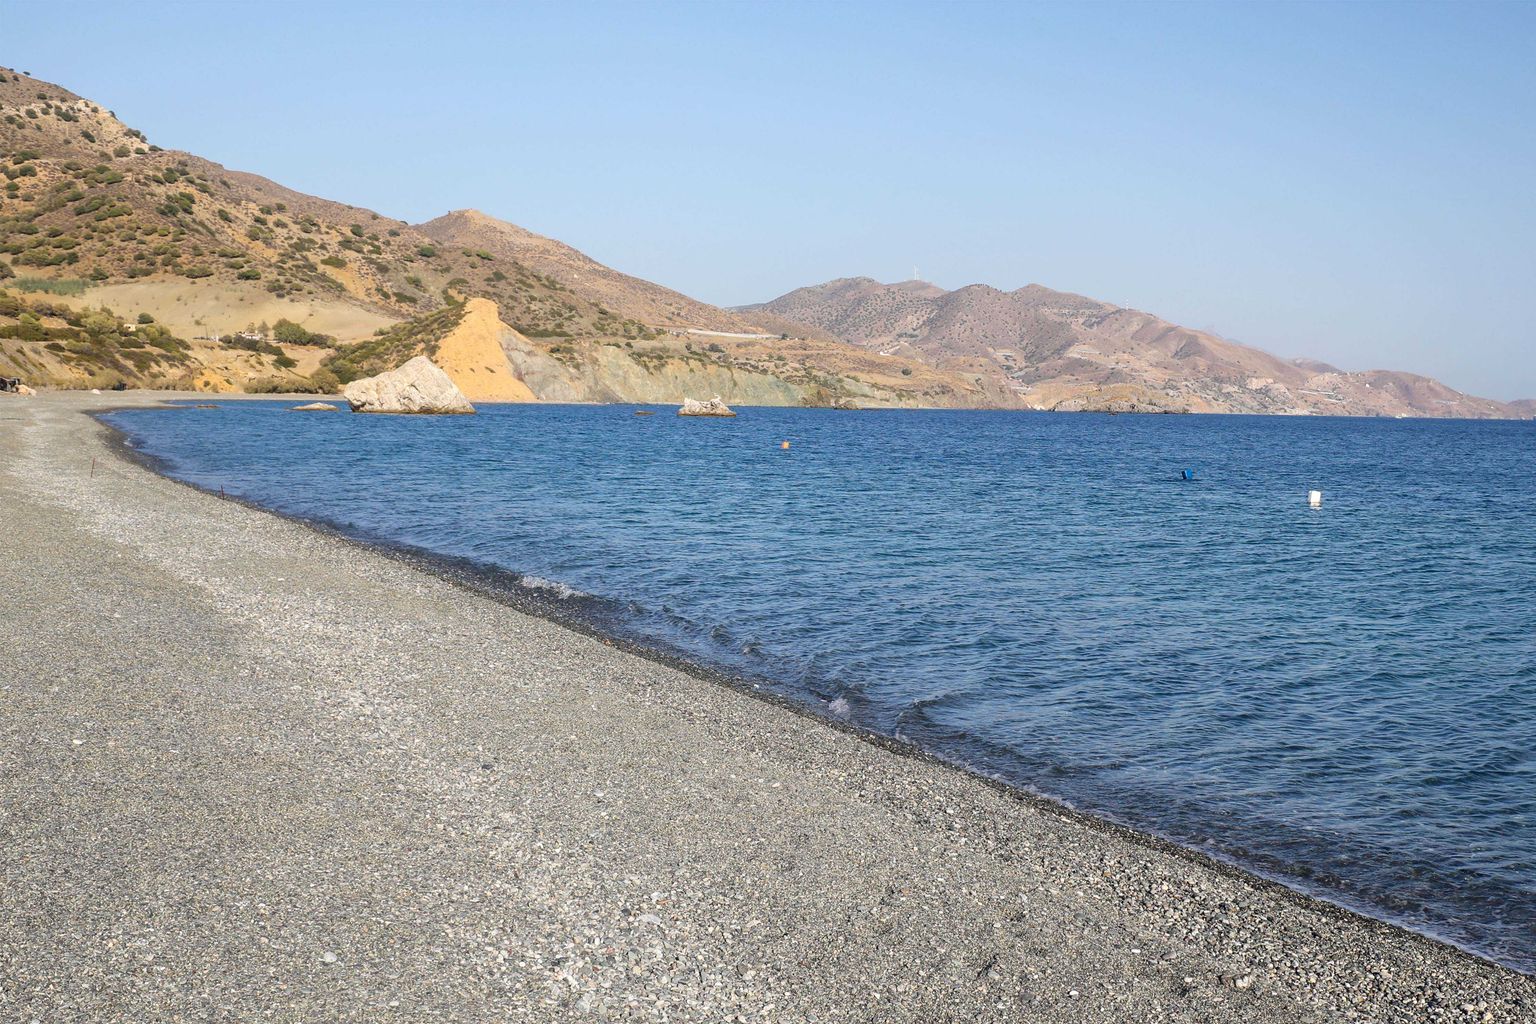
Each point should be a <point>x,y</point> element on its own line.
<point>51,286</point>
<point>289,333</point>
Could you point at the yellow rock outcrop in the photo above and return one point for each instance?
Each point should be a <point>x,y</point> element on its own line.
<point>210,380</point>
<point>472,356</point>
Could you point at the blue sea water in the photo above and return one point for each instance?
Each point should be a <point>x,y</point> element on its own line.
<point>1343,698</point>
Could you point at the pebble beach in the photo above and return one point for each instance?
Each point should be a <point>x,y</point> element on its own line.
<point>250,770</point>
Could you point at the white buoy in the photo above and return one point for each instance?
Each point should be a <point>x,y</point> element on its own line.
<point>1315,499</point>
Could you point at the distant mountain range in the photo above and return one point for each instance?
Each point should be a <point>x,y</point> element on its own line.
<point>1056,350</point>
<point>197,263</point>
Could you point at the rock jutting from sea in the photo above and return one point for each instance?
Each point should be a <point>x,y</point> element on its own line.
<point>713,407</point>
<point>418,386</point>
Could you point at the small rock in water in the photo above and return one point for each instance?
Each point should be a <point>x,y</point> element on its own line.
<point>713,407</point>
<point>316,407</point>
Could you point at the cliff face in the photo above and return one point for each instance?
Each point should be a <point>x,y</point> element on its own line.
<point>473,356</point>
<point>490,361</point>
<point>607,374</point>
<point>665,370</point>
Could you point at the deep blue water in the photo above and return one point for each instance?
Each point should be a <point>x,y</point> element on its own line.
<point>1343,699</point>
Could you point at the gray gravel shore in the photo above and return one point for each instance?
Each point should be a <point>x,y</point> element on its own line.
<point>249,771</point>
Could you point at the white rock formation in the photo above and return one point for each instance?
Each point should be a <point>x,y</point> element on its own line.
<point>417,387</point>
<point>713,407</point>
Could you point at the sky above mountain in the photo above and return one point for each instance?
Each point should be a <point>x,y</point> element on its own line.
<point>1350,182</point>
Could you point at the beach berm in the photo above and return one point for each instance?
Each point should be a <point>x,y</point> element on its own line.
<point>250,770</point>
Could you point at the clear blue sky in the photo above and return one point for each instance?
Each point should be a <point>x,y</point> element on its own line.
<point>1351,182</point>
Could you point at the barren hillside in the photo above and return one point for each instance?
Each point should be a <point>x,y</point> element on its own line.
<point>95,215</point>
<point>1055,350</point>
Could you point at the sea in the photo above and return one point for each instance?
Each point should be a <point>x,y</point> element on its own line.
<point>1142,617</point>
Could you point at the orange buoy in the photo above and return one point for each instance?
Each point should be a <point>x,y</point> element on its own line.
<point>785,446</point>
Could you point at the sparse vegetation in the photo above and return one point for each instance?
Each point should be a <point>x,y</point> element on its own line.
<point>95,344</point>
<point>393,346</point>
<point>52,286</point>
<point>289,333</point>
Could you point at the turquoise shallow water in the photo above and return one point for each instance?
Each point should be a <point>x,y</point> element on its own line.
<point>1343,699</point>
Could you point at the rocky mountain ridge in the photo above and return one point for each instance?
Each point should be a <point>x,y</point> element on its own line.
<point>1057,350</point>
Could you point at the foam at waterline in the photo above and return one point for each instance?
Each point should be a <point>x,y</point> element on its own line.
<point>558,589</point>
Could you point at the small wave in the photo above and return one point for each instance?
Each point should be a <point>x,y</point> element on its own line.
<point>554,587</point>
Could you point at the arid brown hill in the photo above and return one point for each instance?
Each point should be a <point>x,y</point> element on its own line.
<point>97,215</point>
<point>88,196</point>
<point>1055,350</point>
<point>640,300</point>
